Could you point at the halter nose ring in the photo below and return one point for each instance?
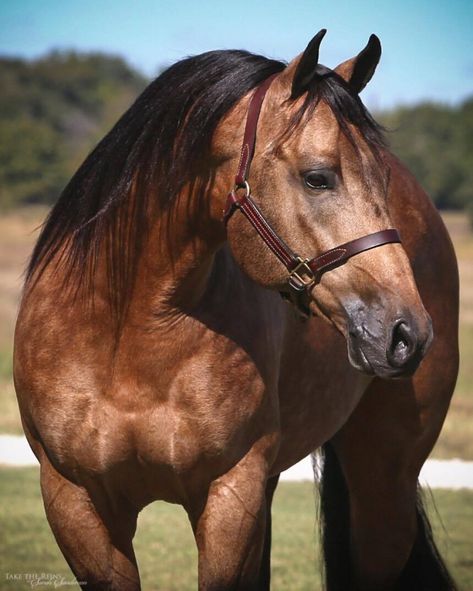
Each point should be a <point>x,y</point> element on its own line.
<point>244,185</point>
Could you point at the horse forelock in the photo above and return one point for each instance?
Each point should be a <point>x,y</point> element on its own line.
<point>346,106</point>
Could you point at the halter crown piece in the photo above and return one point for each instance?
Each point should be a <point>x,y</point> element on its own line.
<point>304,274</point>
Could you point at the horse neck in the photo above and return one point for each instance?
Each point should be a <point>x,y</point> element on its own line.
<point>179,252</point>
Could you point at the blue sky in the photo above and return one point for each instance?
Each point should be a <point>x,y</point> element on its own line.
<point>427,45</point>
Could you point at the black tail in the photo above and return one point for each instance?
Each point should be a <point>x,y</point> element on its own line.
<point>425,569</point>
<point>334,523</point>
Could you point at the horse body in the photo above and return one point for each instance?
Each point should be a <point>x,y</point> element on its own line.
<point>209,386</point>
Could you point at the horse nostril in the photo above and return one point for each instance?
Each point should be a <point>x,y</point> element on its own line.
<point>403,345</point>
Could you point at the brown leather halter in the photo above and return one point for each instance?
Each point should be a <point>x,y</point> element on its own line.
<point>304,274</point>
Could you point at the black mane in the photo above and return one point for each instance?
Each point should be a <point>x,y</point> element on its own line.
<point>151,153</point>
<point>151,149</point>
<point>346,106</point>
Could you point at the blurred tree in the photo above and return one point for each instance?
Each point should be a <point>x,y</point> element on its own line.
<point>52,111</point>
<point>436,143</point>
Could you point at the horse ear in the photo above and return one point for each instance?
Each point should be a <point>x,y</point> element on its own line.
<point>359,70</point>
<point>302,70</point>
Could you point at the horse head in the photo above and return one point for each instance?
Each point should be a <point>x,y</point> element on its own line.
<point>319,177</point>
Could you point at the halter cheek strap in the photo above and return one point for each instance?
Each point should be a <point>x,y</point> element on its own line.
<point>304,274</point>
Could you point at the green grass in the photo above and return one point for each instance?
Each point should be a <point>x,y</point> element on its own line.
<point>165,546</point>
<point>6,363</point>
<point>456,438</point>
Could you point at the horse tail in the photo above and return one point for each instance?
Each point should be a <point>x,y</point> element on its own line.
<point>334,521</point>
<point>425,568</point>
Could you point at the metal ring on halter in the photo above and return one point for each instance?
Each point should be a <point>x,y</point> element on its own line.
<point>244,185</point>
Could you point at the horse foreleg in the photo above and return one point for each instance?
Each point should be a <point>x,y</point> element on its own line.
<point>380,451</point>
<point>97,546</point>
<point>369,520</point>
<point>230,528</point>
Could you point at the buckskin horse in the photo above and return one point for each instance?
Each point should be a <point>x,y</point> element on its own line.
<point>156,360</point>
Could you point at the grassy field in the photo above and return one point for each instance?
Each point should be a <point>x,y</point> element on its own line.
<point>456,439</point>
<point>17,236</point>
<point>165,547</point>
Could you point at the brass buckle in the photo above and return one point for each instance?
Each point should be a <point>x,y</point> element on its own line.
<point>301,277</point>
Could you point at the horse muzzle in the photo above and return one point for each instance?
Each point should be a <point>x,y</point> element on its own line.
<point>388,348</point>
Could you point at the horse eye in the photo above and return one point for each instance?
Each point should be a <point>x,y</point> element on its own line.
<point>319,180</point>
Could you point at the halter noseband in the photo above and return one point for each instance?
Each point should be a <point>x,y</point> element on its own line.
<point>304,274</point>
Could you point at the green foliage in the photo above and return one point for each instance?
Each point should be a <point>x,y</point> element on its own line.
<point>436,143</point>
<point>52,111</point>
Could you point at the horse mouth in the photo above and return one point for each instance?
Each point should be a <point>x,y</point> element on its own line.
<point>359,361</point>
<point>380,367</point>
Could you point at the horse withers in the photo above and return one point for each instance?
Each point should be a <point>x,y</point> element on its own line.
<point>156,360</point>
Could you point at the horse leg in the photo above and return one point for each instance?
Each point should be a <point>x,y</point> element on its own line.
<point>229,527</point>
<point>97,545</point>
<point>372,470</point>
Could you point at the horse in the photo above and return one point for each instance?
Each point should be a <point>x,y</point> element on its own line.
<point>155,358</point>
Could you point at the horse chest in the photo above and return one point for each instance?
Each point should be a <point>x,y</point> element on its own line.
<point>178,418</point>
<point>206,416</point>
